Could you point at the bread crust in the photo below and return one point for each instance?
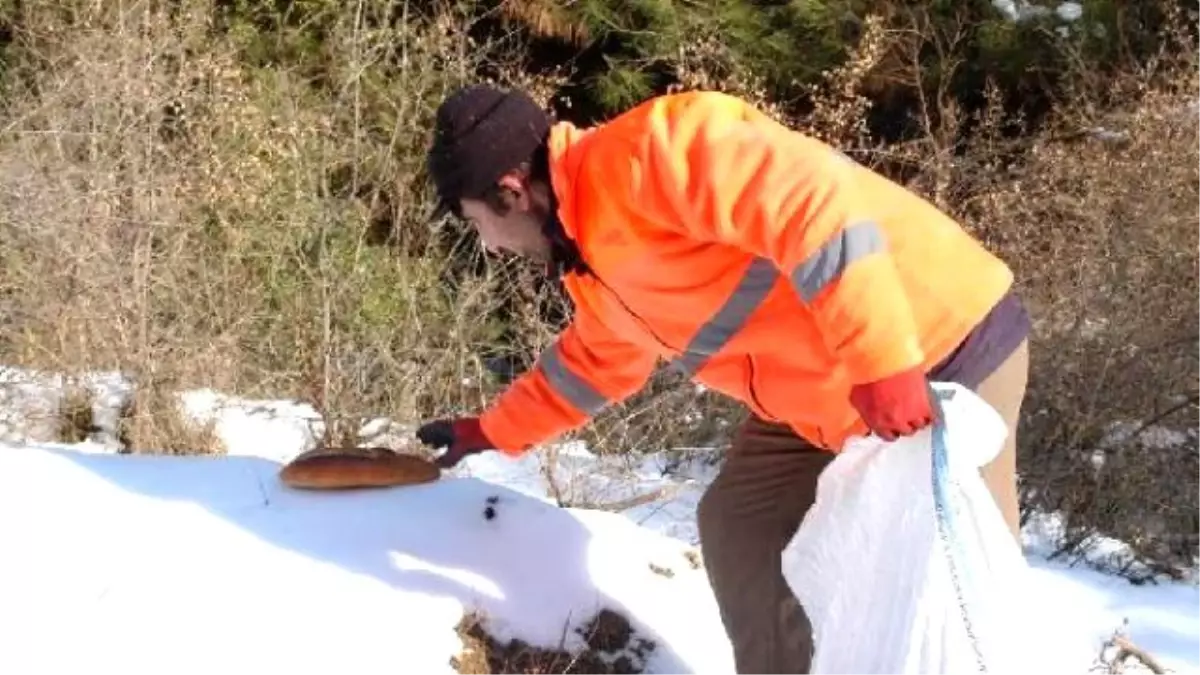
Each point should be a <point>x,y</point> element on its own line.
<point>351,468</point>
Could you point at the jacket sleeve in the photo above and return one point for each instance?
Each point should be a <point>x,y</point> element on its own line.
<point>778,194</point>
<point>583,371</point>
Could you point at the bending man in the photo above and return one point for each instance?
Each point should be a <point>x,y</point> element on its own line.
<point>761,262</point>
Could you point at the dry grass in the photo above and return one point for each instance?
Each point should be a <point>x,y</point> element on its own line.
<point>612,646</point>
<point>1118,651</point>
<point>156,422</point>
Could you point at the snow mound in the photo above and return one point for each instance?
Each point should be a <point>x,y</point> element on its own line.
<point>141,563</point>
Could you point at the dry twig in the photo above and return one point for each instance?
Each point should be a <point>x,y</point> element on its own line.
<point>1122,649</point>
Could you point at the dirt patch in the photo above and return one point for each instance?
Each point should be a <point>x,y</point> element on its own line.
<point>77,420</point>
<point>662,571</point>
<point>610,634</point>
<point>613,647</point>
<point>607,631</point>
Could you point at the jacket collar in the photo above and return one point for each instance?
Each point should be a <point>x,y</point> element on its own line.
<point>566,153</point>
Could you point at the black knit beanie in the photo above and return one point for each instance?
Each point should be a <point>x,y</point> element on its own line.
<point>481,132</point>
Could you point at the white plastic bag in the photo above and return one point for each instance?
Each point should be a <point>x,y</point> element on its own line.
<point>891,586</point>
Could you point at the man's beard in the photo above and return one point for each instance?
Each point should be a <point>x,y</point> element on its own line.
<point>563,255</point>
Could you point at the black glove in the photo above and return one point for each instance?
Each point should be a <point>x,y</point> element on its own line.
<point>460,437</point>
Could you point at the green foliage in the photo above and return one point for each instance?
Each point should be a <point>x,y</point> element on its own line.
<point>276,33</point>
<point>783,43</point>
<point>789,45</point>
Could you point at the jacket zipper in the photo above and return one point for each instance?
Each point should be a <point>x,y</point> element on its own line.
<point>750,388</point>
<point>753,391</point>
<point>645,326</point>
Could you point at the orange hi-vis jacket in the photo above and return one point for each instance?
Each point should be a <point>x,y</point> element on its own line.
<point>764,263</point>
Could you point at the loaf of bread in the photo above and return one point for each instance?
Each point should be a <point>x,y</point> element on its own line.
<point>345,468</point>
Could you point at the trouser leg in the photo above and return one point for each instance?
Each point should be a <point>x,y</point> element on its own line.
<point>1004,390</point>
<point>746,518</point>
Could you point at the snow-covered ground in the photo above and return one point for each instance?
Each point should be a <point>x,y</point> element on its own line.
<point>209,564</point>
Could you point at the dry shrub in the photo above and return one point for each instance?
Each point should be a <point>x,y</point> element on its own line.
<point>156,423</point>
<point>1105,232</point>
<point>76,420</point>
<point>1097,214</point>
<point>545,20</point>
<point>171,211</point>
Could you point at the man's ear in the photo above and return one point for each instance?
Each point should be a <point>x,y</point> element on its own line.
<point>512,181</point>
<point>515,189</point>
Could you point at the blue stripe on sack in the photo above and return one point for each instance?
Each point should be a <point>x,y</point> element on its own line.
<point>947,519</point>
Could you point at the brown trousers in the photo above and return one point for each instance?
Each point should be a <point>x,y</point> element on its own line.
<point>759,498</point>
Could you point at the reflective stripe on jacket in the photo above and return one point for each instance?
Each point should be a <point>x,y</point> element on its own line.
<point>761,261</point>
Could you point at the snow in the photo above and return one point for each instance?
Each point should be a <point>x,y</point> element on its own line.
<point>1020,10</point>
<point>277,430</point>
<point>207,563</point>
<point>582,477</point>
<point>1069,11</point>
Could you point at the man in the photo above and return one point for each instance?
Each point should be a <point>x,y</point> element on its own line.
<point>763,263</point>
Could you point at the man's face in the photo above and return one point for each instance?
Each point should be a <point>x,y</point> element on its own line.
<point>516,225</point>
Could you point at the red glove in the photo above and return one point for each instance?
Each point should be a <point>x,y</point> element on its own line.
<point>460,437</point>
<point>894,406</point>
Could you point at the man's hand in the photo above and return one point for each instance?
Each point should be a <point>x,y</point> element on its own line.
<point>895,406</point>
<point>460,437</point>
